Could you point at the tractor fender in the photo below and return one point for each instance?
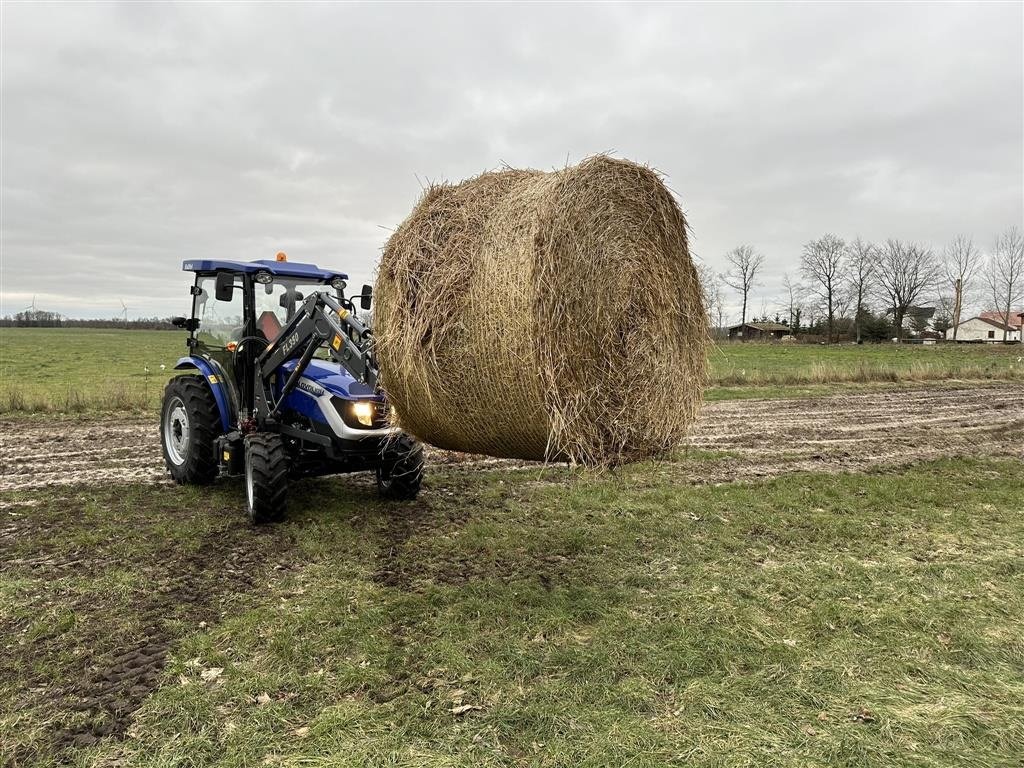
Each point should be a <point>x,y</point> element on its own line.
<point>217,385</point>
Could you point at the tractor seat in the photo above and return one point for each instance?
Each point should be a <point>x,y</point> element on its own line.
<point>269,325</point>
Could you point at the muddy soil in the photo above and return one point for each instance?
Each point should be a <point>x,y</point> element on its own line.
<point>87,675</point>
<point>66,452</point>
<point>848,432</point>
<point>862,431</point>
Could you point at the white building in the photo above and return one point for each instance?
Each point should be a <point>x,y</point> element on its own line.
<point>984,329</point>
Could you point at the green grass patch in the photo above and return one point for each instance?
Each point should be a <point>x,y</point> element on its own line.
<point>80,370</point>
<point>513,618</point>
<point>738,365</point>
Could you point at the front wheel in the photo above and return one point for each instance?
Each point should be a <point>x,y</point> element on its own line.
<point>400,473</point>
<point>266,477</point>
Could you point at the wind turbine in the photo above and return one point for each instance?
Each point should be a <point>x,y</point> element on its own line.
<point>31,307</point>
<point>124,311</point>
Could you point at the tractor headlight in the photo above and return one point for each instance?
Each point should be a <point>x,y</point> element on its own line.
<point>360,414</point>
<point>338,284</point>
<point>263,277</point>
<point>363,411</point>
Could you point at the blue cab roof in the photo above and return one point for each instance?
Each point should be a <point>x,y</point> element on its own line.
<point>276,268</point>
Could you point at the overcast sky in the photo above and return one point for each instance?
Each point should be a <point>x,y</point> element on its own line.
<point>135,135</point>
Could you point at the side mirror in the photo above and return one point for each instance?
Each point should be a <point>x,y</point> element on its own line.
<point>189,324</point>
<point>224,286</point>
<point>366,298</point>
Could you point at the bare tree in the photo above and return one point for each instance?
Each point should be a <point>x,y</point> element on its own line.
<point>945,305</point>
<point>822,266</point>
<point>861,263</point>
<point>719,309</point>
<point>843,304</point>
<point>960,263</point>
<point>1005,273</point>
<point>794,298</point>
<point>905,272</point>
<point>745,263</point>
<point>714,301</point>
<point>813,313</point>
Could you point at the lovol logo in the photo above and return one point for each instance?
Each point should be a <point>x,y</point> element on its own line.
<point>311,389</point>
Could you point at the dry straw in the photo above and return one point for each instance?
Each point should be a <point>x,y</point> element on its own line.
<point>544,316</point>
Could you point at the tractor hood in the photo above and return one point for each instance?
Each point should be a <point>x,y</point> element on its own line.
<point>329,376</point>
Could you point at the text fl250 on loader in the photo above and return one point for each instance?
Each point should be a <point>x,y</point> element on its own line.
<point>284,386</point>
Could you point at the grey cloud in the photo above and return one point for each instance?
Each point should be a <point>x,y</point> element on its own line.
<point>136,135</point>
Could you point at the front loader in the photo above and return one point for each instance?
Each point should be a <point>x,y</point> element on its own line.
<point>282,383</point>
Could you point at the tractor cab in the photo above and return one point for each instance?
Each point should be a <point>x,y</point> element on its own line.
<point>239,308</point>
<point>278,355</point>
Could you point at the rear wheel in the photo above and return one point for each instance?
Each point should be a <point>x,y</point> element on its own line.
<point>266,477</point>
<point>189,425</point>
<point>400,474</point>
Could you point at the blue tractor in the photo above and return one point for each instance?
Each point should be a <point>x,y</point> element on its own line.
<point>282,383</point>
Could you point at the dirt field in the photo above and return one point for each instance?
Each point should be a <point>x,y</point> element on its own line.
<point>863,431</point>
<point>849,432</point>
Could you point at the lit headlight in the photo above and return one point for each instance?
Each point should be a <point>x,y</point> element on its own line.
<point>263,277</point>
<point>338,284</point>
<point>363,411</point>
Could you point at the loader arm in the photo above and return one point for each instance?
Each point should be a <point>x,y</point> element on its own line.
<point>322,320</point>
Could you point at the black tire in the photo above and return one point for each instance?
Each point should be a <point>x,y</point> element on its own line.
<point>266,478</point>
<point>400,473</point>
<point>189,426</point>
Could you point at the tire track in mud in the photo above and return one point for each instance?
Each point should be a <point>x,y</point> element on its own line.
<point>847,432</point>
<point>91,678</point>
<point>116,681</point>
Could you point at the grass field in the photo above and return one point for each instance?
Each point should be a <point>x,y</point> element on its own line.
<point>75,370</point>
<point>517,619</point>
<point>85,370</point>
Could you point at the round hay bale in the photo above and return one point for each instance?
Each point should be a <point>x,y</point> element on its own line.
<point>537,315</point>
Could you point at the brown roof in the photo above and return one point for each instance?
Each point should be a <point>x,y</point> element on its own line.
<point>767,327</point>
<point>990,321</point>
<point>1000,317</point>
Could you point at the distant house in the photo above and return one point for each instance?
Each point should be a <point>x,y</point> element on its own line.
<point>759,331</point>
<point>922,314</point>
<point>1015,320</point>
<point>984,329</point>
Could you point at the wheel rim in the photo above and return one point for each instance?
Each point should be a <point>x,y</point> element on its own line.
<point>250,487</point>
<point>176,431</point>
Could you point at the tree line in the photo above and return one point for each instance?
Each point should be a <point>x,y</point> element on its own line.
<point>839,282</point>
<point>41,318</point>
